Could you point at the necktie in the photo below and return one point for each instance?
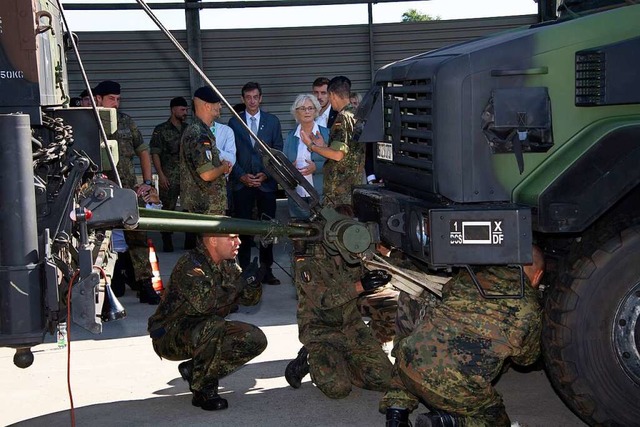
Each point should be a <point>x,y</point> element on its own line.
<point>254,129</point>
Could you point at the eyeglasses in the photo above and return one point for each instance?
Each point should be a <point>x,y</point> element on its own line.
<point>308,109</point>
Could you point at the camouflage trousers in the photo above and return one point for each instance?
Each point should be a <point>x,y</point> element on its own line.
<point>427,367</point>
<point>217,347</point>
<point>139,252</point>
<point>381,307</point>
<point>342,351</point>
<point>169,197</point>
<point>411,311</point>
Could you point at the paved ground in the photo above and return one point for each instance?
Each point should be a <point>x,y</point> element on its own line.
<point>117,380</point>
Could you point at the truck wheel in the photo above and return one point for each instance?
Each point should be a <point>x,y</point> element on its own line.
<point>591,336</point>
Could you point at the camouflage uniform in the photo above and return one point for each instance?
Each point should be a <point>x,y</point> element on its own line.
<point>198,154</point>
<point>411,311</point>
<point>340,177</point>
<point>165,142</point>
<point>189,322</point>
<point>342,351</point>
<point>130,144</point>
<point>451,358</point>
<point>381,307</point>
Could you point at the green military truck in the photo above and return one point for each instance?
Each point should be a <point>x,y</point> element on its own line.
<point>528,135</point>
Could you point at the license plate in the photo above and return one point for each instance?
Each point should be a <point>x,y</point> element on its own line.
<point>385,151</point>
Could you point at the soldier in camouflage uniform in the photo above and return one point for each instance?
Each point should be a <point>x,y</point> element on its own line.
<point>165,153</point>
<point>130,144</point>
<point>190,320</point>
<point>451,358</point>
<point>344,167</point>
<point>341,349</point>
<point>202,173</point>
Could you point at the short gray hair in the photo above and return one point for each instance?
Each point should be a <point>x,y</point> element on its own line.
<point>300,99</point>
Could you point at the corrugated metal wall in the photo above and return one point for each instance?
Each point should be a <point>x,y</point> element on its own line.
<point>283,60</point>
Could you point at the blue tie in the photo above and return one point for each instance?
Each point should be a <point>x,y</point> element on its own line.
<point>254,129</point>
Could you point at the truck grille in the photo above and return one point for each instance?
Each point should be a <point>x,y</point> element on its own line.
<point>590,78</point>
<point>408,126</point>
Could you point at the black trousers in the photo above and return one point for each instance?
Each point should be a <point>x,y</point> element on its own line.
<point>243,202</point>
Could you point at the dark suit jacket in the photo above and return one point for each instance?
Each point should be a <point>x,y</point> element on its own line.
<point>332,117</point>
<point>247,158</point>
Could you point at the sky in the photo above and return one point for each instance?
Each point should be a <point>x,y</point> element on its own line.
<point>298,16</point>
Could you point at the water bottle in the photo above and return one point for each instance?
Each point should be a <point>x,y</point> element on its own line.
<point>62,335</point>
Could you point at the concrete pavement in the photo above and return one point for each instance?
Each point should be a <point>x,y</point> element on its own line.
<point>117,379</point>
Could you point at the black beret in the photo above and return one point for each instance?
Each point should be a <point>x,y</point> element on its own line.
<point>84,93</point>
<point>107,87</point>
<point>206,94</point>
<point>178,101</point>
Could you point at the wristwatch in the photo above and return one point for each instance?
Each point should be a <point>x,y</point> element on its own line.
<point>147,182</point>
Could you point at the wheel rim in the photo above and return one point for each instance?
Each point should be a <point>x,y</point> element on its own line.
<point>626,333</point>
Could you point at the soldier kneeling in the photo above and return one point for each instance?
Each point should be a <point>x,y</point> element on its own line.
<point>190,320</point>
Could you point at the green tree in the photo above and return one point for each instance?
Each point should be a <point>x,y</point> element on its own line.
<point>414,15</point>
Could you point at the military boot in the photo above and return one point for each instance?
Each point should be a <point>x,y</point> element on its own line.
<point>397,417</point>
<point>209,399</point>
<point>147,294</point>
<point>437,418</point>
<point>297,369</point>
<point>167,242</point>
<point>186,371</point>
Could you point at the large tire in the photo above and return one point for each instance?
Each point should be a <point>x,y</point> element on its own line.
<point>591,319</point>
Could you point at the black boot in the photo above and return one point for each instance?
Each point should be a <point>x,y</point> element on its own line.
<point>437,418</point>
<point>147,294</point>
<point>209,399</point>
<point>167,242</point>
<point>397,417</point>
<point>297,369</point>
<point>186,371</point>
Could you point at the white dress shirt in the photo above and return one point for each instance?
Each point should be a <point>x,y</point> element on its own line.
<point>323,118</point>
<point>225,142</point>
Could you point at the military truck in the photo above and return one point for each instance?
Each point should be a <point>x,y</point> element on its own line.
<point>528,135</point>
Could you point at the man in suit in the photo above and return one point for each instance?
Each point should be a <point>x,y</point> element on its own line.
<point>250,183</point>
<point>327,115</point>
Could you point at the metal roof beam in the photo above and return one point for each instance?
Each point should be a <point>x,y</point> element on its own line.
<point>218,5</point>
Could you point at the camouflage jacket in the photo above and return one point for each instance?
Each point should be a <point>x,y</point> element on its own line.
<point>130,143</point>
<point>198,154</point>
<point>200,288</point>
<point>340,177</point>
<point>323,282</point>
<point>165,142</point>
<point>493,329</point>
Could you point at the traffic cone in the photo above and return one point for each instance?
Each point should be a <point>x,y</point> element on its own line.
<point>156,280</point>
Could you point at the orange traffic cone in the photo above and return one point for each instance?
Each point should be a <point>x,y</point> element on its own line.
<point>156,280</point>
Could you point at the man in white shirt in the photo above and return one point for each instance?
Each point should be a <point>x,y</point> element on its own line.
<point>226,143</point>
<point>225,139</point>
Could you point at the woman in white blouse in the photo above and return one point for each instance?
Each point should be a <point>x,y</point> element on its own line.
<point>305,109</point>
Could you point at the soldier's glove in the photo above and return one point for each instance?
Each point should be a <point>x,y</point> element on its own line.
<point>251,276</point>
<point>374,279</point>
